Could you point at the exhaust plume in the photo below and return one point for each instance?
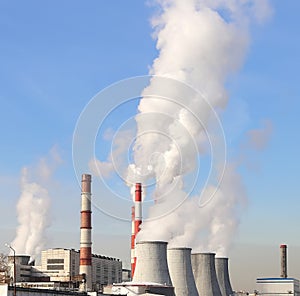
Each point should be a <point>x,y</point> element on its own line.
<point>201,43</point>
<point>33,206</point>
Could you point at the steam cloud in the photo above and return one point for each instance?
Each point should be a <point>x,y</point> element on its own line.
<point>259,138</point>
<point>201,43</point>
<point>33,207</point>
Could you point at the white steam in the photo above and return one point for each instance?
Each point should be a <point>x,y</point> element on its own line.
<point>33,207</point>
<point>200,43</point>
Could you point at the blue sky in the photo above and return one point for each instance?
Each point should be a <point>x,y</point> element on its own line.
<point>56,55</point>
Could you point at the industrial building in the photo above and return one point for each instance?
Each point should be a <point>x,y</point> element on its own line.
<point>62,265</point>
<point>155,269</point>
<point>67,268</point>
<point>278,286</point>
<point>175,271</point>
<point>282,285</point>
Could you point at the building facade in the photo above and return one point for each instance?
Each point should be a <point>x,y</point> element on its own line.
<point>278,286</point>
<point>59,264</point>
<point>62,265</point>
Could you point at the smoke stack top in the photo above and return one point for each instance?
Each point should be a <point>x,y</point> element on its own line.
<point>86,183</point>
<point>283,250</point>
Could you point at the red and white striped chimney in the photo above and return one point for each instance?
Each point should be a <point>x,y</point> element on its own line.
<point>133,259</point>
<point>137,221</point>
<point>85,265</point>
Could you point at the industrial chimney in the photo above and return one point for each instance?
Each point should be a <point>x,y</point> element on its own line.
<point>132,247</point>
<point>180,268</point>
<point>151,265</point>
<point>283,251</point>
<point>223,278</point>
<point>203,266</point>
<point>85,267</point>
<point>137,221</point>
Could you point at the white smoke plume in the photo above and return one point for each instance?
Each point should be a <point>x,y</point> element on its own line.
<point>33,207</point>
<point>260,137</point>
<point>200,43</point>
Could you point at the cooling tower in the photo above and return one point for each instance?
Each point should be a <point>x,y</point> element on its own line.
<point>180,268</point>
<point>85,266</point>
<point>151,264</point>
<point>203,266</point>
<point>223,276</point>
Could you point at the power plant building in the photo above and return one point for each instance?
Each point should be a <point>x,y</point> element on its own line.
<point>278,286</point>
<point>62,265</point>
<point>23,268</point>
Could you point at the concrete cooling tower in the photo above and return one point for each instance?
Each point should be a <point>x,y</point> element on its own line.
<point>180,268</point>
<point>223,276</point>
<point>151,264</point>
<point>203,266</point>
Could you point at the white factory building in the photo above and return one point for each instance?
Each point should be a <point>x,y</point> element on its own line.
<point>62,265</point>
<point>278,286</point>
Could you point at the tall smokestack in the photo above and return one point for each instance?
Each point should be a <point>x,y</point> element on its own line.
<point>203,265</point>
<point>223,278</point>
<point>180,268</point>
<point>151,265</point>
<point>133,258</point>
<point>283,250</point>
<point>137,216</point>
<point>85,266</point>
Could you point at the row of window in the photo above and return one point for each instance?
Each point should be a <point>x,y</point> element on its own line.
<point>55,261</point>
<point>55,267</point>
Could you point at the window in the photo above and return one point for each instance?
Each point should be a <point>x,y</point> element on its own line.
<point>55,261</point>
<point>55,267</point>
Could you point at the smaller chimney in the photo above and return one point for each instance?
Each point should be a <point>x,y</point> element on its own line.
<point>138,207</point>
<point>283,255</point>
<point>85,265</point>
<point>137,221</point>
<point>133,258</point>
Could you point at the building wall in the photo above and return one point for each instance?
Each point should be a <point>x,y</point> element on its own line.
<point>23,269</point>
<point>62,265</point>
<point>106,271</point>
<point>280,287</point>
<point>5,290</point>
<point>59,264</point>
